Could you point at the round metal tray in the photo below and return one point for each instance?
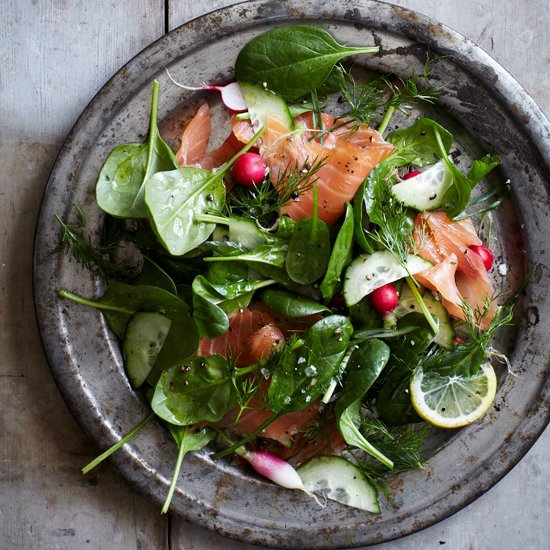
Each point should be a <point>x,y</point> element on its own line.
<point>486,108</point>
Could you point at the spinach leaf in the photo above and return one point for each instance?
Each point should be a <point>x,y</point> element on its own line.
<point>198,390</point>
<point>393,402</point>
<point>213,302</point>
<point>364,367</point>
<point>364,316</point>
<point>121,183</point>
<point>349,423</point>
<point>292,61</point>
<point>291,305</point>
<point>464,360</point>
<point>153,275</point>
<point>175,198</point>
<point>304,373</point>
<point>220,273</point>
<point>270,254</point>
<point>340,256</point>
<point>187,441</point>
<point>121,301</point>
<point>309,248</point>
<point>280,276</point>
<point>456,198</point>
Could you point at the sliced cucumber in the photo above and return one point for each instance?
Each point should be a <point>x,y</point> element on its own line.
<point>340,480</point>
<point>220,233</point>
<point>263,104</point>
<point>144,338</point>
<point>408,304</point>
<point>425,191</point>
<point>245,232</point>
<point>371,271</point>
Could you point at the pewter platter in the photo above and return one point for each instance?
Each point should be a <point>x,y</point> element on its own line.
<point>485,108</point>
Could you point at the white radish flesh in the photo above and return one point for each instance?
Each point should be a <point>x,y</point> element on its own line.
<point>274,468</point>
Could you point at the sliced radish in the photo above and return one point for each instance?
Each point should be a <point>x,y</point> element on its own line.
<point>384,299</point>
<point>249,169</point>
<point>485,254</point>
<point>231,94</point>
<point>412,174</point>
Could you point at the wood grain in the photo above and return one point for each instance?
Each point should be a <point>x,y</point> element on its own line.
<point>54,56</point>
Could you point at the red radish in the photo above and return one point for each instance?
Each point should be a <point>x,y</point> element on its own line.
<point>458,340</point>
<point>249,169</point>
<point>485,254</point>
<point>384,299</point>
<point>412,174</point>
<point>275,469</point>
<point>232,95</point>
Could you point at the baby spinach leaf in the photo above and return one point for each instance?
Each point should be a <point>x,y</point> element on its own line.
<point>363,368</point>
<point>309,248</point>
<point>364,316</point>
<point>153,275</point>
<point>213,302</point>
<point>349,423</point>
<point>120,187</point>
<point>187,441</point>
<point>280,276</point>
<point>393,402</point>
<point>304,373</point>
<point>293,60</point>
<point>340,256</point>
<point>270,254</point>
<point>175,198</point>
<point>197,390</point>
<point>291,305</point>
<point>121,301</point>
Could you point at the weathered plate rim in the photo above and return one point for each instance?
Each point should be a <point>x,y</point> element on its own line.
<point>417,26</point>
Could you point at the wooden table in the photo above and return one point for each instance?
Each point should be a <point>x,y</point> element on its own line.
<point>55,55</point>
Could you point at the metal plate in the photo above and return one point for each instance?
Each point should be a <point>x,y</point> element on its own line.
<point>490,110</point>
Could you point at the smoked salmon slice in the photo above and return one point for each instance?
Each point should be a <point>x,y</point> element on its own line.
<point>458,273</point>
<point>345,165</point>
<point>195,138</point>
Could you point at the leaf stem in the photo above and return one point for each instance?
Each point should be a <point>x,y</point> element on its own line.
<point>209,218</point>
<point>175,476</point>
<point>386,119</point>
<point>92,303</point>
<point>134,431</point>
<point>249,437</point>
<point>429,317</point>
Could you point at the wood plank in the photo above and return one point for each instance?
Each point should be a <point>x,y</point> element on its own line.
<point>55,55</point>
<point>515,35</point>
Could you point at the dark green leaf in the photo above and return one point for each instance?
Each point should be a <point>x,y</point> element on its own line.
<point>198,390</point>
<point>340,256</point>
<point>291,305</point>
<point>121,183</point>
<point>153,275</point>
<point>293,60</point>
<point>270,254</point>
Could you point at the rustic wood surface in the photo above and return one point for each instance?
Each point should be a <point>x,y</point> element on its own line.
<point>54,56</point>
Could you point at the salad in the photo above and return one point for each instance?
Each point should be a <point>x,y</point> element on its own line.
<point>311,296</point>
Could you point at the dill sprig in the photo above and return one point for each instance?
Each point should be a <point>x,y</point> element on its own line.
<point>262,202</point>
<point>404,446</point>
<point>96,258</point>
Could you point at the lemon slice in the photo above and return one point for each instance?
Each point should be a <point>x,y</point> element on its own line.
<point>452,401</point>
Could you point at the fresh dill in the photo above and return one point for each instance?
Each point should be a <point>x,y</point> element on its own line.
<point>404,446</point>
<point>486,202</point>
<point>262,202</point>
<point>96,258</point>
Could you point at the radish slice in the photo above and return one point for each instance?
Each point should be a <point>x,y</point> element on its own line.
<point>232,95</point>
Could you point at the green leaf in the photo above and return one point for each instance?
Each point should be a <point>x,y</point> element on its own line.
<point>173,198</point>
<point>304,373</point>
<point>121,183</point>
<point>292,61</point>
<point>270,254</point>
<point>309,249</point>
<point>153,275</point>
<point>340,256</point>
<point>187,441</point>
<point>198,390</point>
<point>291,305</point>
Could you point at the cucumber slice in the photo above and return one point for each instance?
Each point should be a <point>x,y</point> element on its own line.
<point>245,232</point>
<point>408,304</point>
<point>425,191</point>
<point>371,271</point>
<point>144,338</point>
<point>263,104</point>
<point>340,480</point>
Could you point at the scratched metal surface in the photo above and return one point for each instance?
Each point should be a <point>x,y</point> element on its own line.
<point>52,508</point>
